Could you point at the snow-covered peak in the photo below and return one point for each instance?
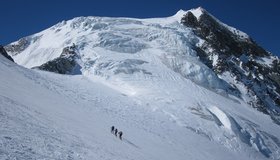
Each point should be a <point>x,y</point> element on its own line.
<point>179,14</point>
<point>102,42</point>
<point>197,12</point>
<point>154,78</point>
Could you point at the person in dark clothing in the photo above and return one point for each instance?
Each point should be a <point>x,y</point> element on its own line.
<point>120,134</point>
<point>116,132</point>
<point>112,129</point>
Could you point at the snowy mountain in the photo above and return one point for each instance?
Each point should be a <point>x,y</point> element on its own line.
<point>185,86</point>
<point>237,59</point>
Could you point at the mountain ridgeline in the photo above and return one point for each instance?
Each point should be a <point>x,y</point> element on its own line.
<point>191,43</point>
<point>242,58</point>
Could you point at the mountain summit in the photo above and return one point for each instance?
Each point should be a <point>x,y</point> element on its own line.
<point>239,60</point>
<point>170,79</point>
<point>192,43</point>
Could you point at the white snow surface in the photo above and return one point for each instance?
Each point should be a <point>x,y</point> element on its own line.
<point>51,116</point>
<point>140,75</point>
<point>197,12</point>
<point>118,49</point>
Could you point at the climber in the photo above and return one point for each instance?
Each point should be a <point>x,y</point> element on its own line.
<point>120,134</point>
<point>112,129</point>
<point>116,132</point>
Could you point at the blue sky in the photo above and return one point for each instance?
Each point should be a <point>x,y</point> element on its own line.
<point>258,18</point>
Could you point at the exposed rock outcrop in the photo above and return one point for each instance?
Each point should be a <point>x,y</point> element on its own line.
<point>18,47</point>
<point>5,54</point>
<point>64,64</point>
<point>227,50</point>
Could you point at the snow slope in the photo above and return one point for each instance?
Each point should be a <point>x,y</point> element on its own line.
<point>50,116</point>
<point>141,75</point>
<point>108,47</point>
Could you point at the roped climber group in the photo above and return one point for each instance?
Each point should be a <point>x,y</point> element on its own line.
<point>115,131</point>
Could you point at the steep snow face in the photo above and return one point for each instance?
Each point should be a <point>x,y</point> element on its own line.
<point>54,116</point>
<point>121,50</point>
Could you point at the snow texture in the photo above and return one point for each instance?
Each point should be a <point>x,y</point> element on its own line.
<point>55,116</point>
<point>140,75</point>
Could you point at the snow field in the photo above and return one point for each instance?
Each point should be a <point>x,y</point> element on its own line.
<point>140,75</point>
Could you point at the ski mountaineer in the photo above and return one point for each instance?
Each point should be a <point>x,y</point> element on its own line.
<point>116,132</point>
<point>112,129</point>
<point>120,134</point>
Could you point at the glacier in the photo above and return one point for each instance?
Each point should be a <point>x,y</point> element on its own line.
<point>142,76</point>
